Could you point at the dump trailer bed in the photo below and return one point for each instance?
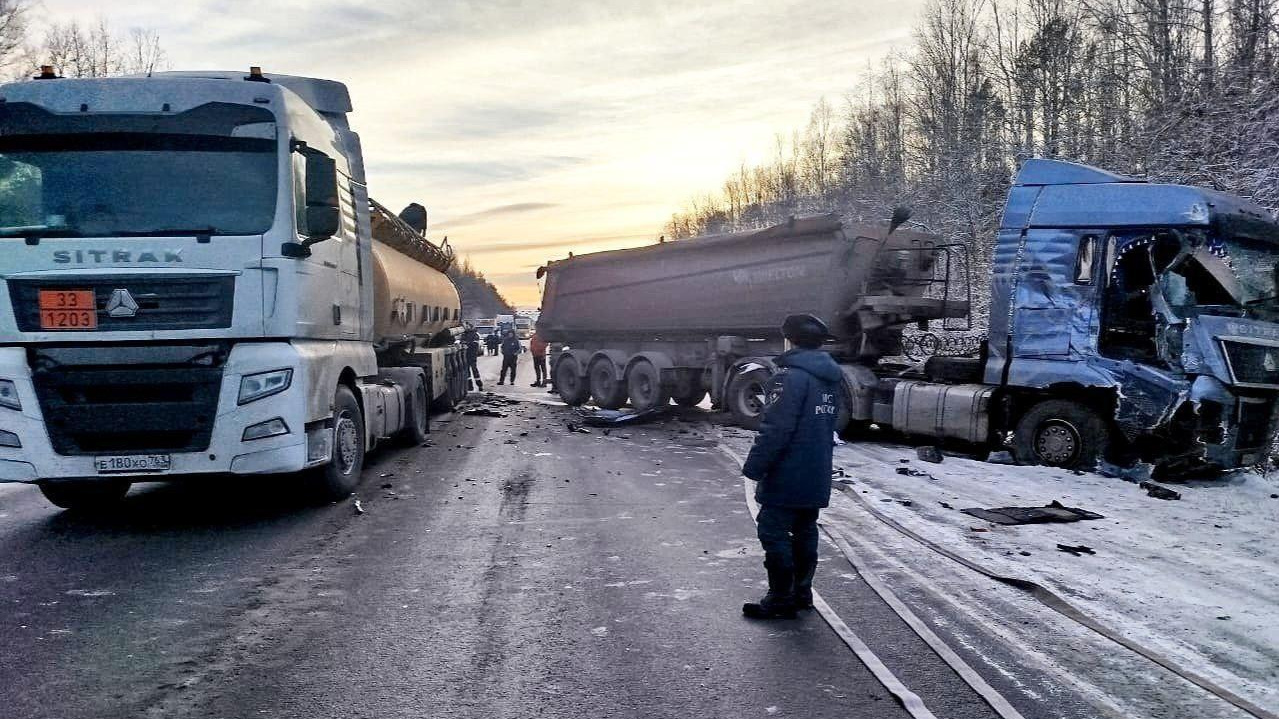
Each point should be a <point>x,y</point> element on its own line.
<point>740,284</point>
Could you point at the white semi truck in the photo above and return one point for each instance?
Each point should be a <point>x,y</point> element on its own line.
<point>196,282</point>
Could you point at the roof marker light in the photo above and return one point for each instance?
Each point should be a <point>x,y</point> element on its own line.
<point>47,73</point>
<point>255,75</point>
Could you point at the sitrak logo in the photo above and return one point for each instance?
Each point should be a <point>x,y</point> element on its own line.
<point>122,304</point>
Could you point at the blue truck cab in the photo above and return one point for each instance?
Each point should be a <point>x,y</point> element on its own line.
<point>1133,318</point>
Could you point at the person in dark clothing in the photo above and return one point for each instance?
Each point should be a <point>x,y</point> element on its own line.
<point>492,341</point>
<point>471,340</point>
<point>510,355</point>
<point>791,461</point>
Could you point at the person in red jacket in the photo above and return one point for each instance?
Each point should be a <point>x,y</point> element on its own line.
<point>537,348</point>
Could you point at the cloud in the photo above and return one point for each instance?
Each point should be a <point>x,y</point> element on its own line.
<point>471,172</point>
<point>492,212</point>
<point>565,243</point>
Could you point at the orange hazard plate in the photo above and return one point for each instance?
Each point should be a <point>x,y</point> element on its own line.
<point>67,310</point>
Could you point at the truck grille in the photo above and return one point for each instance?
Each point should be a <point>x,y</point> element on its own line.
<point>1253,364</point>
<point>166,302</point>
<point>140,399</point>
<point>1254,424</point>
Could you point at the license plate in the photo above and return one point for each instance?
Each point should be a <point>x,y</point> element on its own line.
<point>67,310</point>
<point>133,463</point>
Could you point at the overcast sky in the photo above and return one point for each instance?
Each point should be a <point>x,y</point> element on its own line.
<point>530,128</point>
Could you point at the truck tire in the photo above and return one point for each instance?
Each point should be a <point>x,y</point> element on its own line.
<point>644,383</point>
<point>85,494</point>
<point>745,397</point>
<point>339,477</point>
<point>607,392</point>
<point>418,420</point>
<point>569,383</point>
<point>1061,433</point>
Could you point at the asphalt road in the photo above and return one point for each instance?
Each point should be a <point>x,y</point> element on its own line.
<point>511,569</point>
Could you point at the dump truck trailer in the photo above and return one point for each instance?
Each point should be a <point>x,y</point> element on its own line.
<point>196,282</point>
<point>1129,321</point>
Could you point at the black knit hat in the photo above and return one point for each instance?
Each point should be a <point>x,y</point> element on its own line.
<point>805,328</point>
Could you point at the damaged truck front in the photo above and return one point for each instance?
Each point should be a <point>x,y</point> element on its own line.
<point>1151,306</point>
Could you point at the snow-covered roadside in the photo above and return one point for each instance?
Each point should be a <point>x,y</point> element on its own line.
<point>1195,579</point>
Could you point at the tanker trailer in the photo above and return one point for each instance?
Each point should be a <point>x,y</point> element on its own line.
<point>680,319</point>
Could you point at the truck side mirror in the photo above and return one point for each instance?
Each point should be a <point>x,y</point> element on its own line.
<point>320,217</point>
<point>322,214</point>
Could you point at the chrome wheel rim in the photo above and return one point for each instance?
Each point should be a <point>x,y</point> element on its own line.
<point>1057,442</point>
<point>348,446</point>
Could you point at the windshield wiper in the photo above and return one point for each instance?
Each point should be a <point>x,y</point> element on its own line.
<point>201,234</point>
<point>33,235</point>
<point>205,231</point>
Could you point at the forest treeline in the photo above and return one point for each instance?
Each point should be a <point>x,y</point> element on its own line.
<point>1174,90</point>
<point>480,297</point>
<point>74,49</point>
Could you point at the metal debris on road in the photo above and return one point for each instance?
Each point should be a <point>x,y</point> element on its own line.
<point>929,454</point>
<point>1054,512</point>
<point>359,508</point>
<point>1158,491</point>
<point>1077,550</point>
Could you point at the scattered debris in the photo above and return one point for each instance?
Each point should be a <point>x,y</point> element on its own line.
<point>1024,553</point>
<point>946,505</point>
<point>979,529</point>
<point>359,508</point>
<point>574,428</point>
<point>1055,512</point>
<point>914,472</point>
<point>483,412</point>
<point>905,502</point>
<point>1158,491</point>
<point>387,485</point>
<point>929,454</point>
<point>609,417</point>
<point>1077,550</point>
<point>838,472</point>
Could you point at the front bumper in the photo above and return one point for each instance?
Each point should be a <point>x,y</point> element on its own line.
<point>227,452</point>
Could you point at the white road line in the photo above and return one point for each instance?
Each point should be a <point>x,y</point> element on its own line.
<point>909,700</point>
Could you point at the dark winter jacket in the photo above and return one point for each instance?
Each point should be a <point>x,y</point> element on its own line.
<point>471,340</point>
<point>511,346</point>
<point>791,457</point>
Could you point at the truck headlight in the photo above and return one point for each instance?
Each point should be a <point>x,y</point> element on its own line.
<point>254,387</point>
<point>262,430</point>
<point>9,395</point>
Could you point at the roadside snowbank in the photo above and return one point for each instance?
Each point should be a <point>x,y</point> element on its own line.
<point>1195,579</point>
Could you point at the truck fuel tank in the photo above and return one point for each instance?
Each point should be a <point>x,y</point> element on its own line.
<point>959,411</point>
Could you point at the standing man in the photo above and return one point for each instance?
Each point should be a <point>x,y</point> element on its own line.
<point>471,340</point>
<point>510,354</point>
<point>492,342</point>
<point>791,461</point>
<point>537,348</point>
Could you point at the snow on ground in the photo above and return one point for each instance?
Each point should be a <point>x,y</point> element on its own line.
<point>1196,579</point>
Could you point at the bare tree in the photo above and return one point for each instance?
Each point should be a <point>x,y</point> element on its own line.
<point>96,50</point>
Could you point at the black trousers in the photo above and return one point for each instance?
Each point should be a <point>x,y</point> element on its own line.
<point>539,369</point>
<point>508,362</point>
<point>788,534</point>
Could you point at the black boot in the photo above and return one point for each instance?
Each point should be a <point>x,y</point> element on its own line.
<point>779,602</point>
<point>805,568</point>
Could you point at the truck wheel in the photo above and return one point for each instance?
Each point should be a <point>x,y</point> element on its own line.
<point>338,478</point>
<point>644,383</point>
<point>746,397</point>
<point>1061,433</point>
<point>607,392</point>
<point>414,432</point>
<point>85,494</point>
<point>569,382</point>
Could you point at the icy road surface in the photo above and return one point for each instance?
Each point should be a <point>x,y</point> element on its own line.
<point>512,569</point>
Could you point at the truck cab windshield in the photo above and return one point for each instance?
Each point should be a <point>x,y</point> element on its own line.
<point>123,184</point>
